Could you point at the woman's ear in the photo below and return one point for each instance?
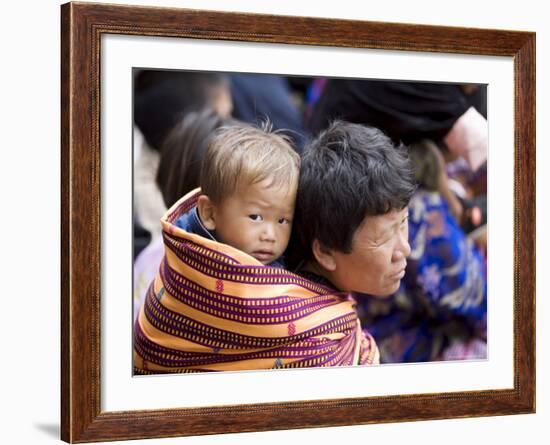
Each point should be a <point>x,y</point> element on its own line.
<point>324,256</point>
<point>207,212</point>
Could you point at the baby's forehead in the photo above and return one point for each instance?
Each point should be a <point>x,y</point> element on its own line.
<point>266,185</point>
<point>266,194</point>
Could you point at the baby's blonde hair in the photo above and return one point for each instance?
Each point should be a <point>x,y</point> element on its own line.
<point>243,154</point>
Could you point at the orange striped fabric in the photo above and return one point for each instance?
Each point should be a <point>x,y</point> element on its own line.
<point>212,307</point>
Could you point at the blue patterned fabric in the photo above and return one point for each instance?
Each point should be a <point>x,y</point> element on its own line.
<point>442,300</point>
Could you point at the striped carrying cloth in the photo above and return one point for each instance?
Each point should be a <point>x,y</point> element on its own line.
<point>212,307</point>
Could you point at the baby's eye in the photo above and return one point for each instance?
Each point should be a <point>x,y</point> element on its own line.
<point>255,217</point>
<point>283,221</point>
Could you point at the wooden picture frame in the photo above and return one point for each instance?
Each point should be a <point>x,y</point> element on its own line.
<point>82,26</point>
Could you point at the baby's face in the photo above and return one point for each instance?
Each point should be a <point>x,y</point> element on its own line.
<point>257,219</point>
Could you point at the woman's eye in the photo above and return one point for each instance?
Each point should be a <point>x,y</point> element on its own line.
<point>284,221</point>
<point>255,217</point>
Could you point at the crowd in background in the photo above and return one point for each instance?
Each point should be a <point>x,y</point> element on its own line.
<point>439,312</point>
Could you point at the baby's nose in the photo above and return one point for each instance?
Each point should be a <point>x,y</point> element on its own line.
<point>268,233</point>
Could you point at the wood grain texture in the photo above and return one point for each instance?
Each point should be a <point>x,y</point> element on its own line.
<point>82,27</point>
<point>65,228</point>
<point>80,279</point>
<point>524,224</point>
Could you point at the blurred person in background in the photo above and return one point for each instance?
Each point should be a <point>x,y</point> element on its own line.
<point>260,96</point>
<point>454,116</point>
<point>410,111</point>
<point>178,173</point>
<point>161,99</point>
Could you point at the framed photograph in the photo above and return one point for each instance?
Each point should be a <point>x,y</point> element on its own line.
<point>112,387</point>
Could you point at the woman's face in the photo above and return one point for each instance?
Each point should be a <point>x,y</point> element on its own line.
<point>377,261</point>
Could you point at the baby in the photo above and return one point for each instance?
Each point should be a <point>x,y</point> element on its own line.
<point>248,179</point>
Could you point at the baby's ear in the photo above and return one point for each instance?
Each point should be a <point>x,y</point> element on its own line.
<point>207,212</point>
<point>324,256</point>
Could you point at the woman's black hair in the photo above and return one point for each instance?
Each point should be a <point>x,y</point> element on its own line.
<point>348,172</point>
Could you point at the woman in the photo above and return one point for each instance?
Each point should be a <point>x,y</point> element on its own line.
<point>211,308</point>
<point>351,210</point>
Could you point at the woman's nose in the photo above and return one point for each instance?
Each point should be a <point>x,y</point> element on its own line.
<point>403,249</point>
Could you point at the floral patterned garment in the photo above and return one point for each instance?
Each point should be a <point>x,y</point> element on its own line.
<point>442,301</point>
